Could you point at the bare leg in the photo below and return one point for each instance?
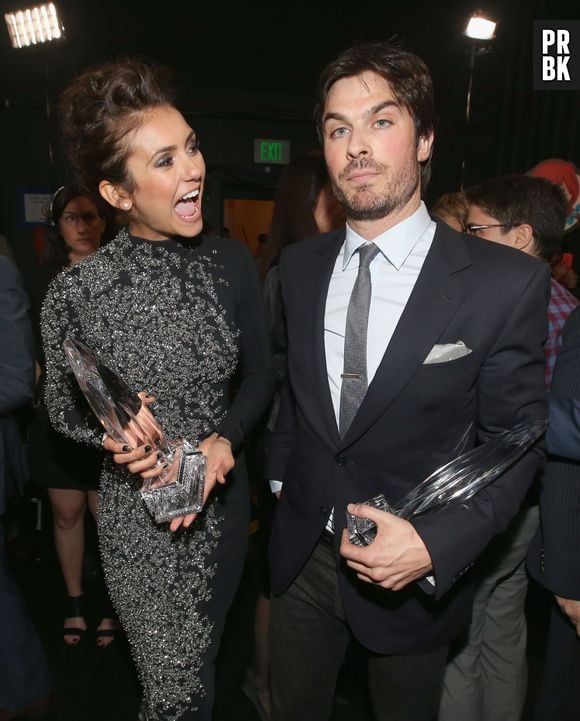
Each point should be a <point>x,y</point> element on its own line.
<point>106,623</point>
<point>68,507</point>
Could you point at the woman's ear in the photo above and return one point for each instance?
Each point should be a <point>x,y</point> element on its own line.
<point>115,195</point>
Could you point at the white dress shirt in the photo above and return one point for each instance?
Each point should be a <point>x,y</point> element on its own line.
<point>394,272</point>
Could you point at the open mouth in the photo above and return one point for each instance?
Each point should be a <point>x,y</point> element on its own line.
<point>188,207</point>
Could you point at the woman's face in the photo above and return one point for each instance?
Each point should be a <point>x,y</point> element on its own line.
<point>328,212</point>
<point>81,227</point>
<point>168,173</point>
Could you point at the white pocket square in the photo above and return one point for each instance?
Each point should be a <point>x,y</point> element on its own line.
<point>447,352</point>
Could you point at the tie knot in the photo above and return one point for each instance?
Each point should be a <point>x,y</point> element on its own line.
<point>367,253</point>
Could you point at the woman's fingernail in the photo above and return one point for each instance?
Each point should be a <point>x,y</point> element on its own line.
<point>148,448</point>
<point>127,449</point>
<point>159,455</point>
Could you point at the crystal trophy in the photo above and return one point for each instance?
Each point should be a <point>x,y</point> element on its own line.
<point>178,490</point>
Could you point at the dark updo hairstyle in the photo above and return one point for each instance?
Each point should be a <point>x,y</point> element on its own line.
<point>55,251</point>
<point>296,196</point>
<point>100,109</point>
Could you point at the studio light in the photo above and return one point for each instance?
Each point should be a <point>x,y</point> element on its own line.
<point>33,26</point>
<point>479,27</point>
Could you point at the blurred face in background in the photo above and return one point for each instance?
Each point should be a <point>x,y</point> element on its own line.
<point>328,213</point>
<point>82,227</point>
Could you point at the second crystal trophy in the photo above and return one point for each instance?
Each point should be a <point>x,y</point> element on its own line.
<point>178,490</point>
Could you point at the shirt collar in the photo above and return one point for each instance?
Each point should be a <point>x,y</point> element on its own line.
<point>396,243</point>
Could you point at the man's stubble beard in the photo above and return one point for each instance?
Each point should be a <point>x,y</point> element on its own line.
<point>365,204</point>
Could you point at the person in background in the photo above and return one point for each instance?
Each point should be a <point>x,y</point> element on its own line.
<point>487,673</point>
<point>24,681</point>
<point>451,208</point>
<point>554,554</point>
<point>69,470</point>
<point>304,205</point>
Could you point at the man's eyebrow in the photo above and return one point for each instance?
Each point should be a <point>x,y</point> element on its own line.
<point>385,105</point>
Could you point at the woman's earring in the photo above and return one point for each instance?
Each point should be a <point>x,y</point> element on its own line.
<point>126,205</point>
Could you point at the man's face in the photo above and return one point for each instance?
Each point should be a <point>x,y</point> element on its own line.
<point>371,148</point>
<point>506,235</point>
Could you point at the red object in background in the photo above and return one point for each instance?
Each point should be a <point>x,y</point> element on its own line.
<point>568,260</point>
<point>38,238</point>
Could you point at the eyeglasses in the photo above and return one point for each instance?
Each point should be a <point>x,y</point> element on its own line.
<point>73,218</point>
<point>474,228</point>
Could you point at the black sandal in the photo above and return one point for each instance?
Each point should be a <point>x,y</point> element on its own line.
<point>107,613</point>
<point>74,608</point>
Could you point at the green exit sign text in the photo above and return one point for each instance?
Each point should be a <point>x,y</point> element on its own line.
<point>271,151</point>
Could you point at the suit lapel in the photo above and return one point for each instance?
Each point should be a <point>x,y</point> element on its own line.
<point>438,293</point>
<point>318,275</point>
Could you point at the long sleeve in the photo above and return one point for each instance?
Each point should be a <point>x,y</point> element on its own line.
<point>16,346</point>
<point>257,373</point>
<point>69,412</point>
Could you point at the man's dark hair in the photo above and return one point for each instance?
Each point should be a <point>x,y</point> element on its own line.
<point>407,75</point>
<point>518,199</point>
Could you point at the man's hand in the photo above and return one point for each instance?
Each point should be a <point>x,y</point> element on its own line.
<point>572,609</point>
<point>396,557</point>
<point>220,461</point>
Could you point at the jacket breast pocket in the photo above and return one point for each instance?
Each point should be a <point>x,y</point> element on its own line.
<point>432,372</point>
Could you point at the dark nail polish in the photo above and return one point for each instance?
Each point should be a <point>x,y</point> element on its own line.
<point>148,448</point>
<point>159,456</point>
<point>127,449</point>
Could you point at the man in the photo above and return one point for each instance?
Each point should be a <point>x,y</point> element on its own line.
<point>24,684</point>
<point>554,554</point>
<point>486,676</point>
<point>434,295</point>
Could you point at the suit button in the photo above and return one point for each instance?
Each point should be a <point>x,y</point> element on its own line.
<point>340,459</point>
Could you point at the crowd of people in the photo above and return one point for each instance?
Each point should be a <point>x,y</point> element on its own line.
<point>371,337</point>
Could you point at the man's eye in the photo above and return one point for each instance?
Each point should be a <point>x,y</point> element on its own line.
<point>338,132</point>
<point>383,123</point>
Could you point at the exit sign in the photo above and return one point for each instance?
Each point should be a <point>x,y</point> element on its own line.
<point>271,151</point>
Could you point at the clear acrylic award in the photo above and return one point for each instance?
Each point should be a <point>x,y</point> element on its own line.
<point>178,489</point>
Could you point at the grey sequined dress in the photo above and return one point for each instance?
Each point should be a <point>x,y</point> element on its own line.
<point>177,319</point>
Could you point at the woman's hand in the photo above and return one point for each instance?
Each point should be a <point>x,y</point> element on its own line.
<point>139,454</point>
<point>220,461</point>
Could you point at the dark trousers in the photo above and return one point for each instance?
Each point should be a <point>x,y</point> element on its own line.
<point>309,636</point>
<point>558,697</point>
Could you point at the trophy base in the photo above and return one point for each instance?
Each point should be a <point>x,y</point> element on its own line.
<point>182,496</point>
<point>362,531</point>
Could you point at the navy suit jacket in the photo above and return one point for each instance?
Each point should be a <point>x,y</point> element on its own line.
<point>16,376</point>
<point>492,298</point>
<point>554,554</point>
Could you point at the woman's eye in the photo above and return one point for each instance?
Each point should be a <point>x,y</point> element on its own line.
<point>164,162</point>
<point>193,147</point>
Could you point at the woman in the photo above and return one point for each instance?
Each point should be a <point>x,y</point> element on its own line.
<point>175,313</point>
<point>67,469</point>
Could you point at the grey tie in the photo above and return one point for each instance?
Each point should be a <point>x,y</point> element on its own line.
<point>354,376</point>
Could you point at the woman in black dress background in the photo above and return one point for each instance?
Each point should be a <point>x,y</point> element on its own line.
<point>69,470</point>
<point>177,314</point>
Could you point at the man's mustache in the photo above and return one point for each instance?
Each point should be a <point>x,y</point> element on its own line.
<point>361,164</point>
